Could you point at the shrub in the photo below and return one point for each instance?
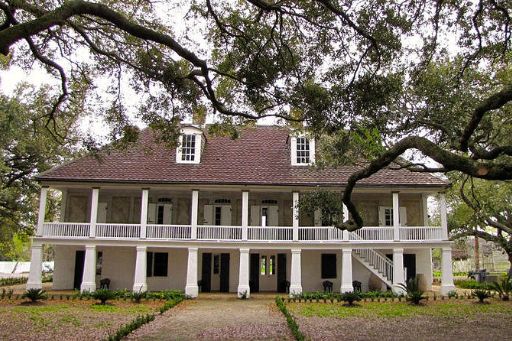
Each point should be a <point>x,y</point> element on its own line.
<point>481,295</point>
<point>103,295</point>
<point>292,324</point>
<point>35,295</point>
<point>453,294</point>
<point>412,290</point>
<point>166,295</point>
<point>169,304</point>
<point>472,284</point>
<point>128,328</point>
<point>138,295</point>
<point>350,298</point>
<point>243,295</point>
<point>503,288</point>
<point>13,281</point>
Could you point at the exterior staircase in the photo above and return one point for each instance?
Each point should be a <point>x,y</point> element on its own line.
<point>378,264</point>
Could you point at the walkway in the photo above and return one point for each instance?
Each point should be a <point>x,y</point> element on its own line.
<point>218,317</point>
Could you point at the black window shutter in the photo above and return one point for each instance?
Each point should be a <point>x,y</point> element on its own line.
<point>328,265</point>
<point>161,259</point>
<point>149,264</point>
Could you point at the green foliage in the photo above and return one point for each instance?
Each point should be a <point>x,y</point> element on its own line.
<point>350,297</point>
<point>128,328</point>
<point>328,202</point>
<point>453,294</point>
<point>331,296</point>
<point>35,295</point>
<point>413,292</point>
<point>292,324</point>
<point>471,284</point>
<point>137,296</point>
<point>103,295</point>
<point>481,294</point>
<point>170,304</point>
<point>503,288</point>
<point>13,281</point>
<point>243,295</point>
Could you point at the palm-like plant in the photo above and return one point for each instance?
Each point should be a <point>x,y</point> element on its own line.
<point>350,297</point>
<point>504,288</point>
<point>35,295</point>
<point>481,294</point>
<point>413,292</point>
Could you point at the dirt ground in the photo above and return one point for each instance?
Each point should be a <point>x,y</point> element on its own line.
<point>218,317</point>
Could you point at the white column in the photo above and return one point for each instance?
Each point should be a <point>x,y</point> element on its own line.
<point>295,218</point>
<point>346,271</point>
<point>345,219</point>
<point>398,270</point>
<point>89,275</point>
<point>36,267</point>
<point>139,281</point>
<point>446,271</point>
<point>42,211</point>
<point>63,205</point>
<point>94,211</point>
<point>191,288</point>
<point>193,215</point>
<point>245,214</point>
<point>444,219</point>
<point>424,199</point>
<point>396,217</point>
<point>296,273</point>
<point>243,274</point>
<point>144,212</point>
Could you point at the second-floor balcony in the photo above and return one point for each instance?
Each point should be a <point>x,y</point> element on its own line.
<point>304,234</point>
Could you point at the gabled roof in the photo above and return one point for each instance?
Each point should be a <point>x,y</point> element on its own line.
<point>261,156</point>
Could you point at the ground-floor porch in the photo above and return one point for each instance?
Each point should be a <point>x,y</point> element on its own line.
<point>241,270</point>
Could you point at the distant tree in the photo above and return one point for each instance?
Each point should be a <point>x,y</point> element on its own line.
<point>379,77</point>
<point>26,148</point>
<point>482,209</point>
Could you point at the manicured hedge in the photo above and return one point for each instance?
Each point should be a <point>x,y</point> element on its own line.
<point>292,324</point>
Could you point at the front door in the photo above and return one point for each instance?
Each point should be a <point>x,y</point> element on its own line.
<point>410,265</point>
<point>254,278</point>
<point>79,268</point>
<point>281,272</point>
<point>224,272</point>
<point>206,273</point>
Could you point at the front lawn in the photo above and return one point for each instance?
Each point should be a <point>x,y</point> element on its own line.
<point>68,320</point>
<point>435,320</point>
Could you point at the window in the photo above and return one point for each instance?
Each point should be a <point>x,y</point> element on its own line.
<point>218,215</point>
<point>303,151</point>
<point>386,216</point>
<point>272,265</point>
<point>328,265</point>
<point>264,216</point>
<point>156,264</point>
<point>188,148</point>
<point>99,263</point>
<point>263,265</point>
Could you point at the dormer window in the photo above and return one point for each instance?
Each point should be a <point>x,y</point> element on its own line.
<point>190,143</point>
<point>188,148</point>
<point>302,150</point>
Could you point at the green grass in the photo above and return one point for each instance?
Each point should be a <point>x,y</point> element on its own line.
<point>452,308</point>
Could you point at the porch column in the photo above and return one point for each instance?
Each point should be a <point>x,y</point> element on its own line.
<point>144,213</point>
<point>346,271</point>
<point>89,275</point>
<point>191,288</point>
<point>193,217</point>
<point>243,274</point>
<point>444,219</point>
<point>36,267</point>
<point>345,219</point>
<point>446,271</point>
<point>63,204</point>
<point>424,199</point>
<point>94,211</point>
<point>396,217</point>
<point>139,281</point>
<point>296,273</point>
<point>398,270</point>
<point>295,219</point>
<point>42,210</point>
<point>245,214</point>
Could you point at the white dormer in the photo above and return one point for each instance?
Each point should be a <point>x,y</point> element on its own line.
<point>302,150</point>
<point>189,145</point>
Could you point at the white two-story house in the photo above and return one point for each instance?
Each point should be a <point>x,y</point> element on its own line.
<point>217,214</point>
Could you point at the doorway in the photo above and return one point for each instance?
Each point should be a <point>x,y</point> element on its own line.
<point>79,268</point>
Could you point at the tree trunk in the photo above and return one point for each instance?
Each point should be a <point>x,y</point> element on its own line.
<point>510,261</point>
<point>477,254</point>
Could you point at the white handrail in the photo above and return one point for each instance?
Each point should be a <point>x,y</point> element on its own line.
<point>421,233</point>
<point>156,231</point>
<point>381,263</point>
<point>118,230</point>
<point>70,230</point>
<point>269,233</point>
<point>215,232</point>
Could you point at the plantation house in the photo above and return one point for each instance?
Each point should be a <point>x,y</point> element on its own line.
<point>217,214</point>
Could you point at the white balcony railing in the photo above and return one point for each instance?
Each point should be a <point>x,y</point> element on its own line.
<point>269,233</point>
<point>168,231</point>
<point>234,233</point>
<point>121,231</point>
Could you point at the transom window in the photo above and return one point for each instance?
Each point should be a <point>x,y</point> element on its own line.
<point>188,148</point>
<point>303,150</point>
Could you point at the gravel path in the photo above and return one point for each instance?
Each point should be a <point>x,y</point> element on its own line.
<point>219,317</point>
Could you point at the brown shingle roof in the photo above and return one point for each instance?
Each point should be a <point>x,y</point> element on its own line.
<point>261,156</point>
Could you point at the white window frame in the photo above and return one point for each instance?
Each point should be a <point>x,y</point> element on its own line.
<point>293,155</point>
<point>382,216</point>
<point>197,149</point>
